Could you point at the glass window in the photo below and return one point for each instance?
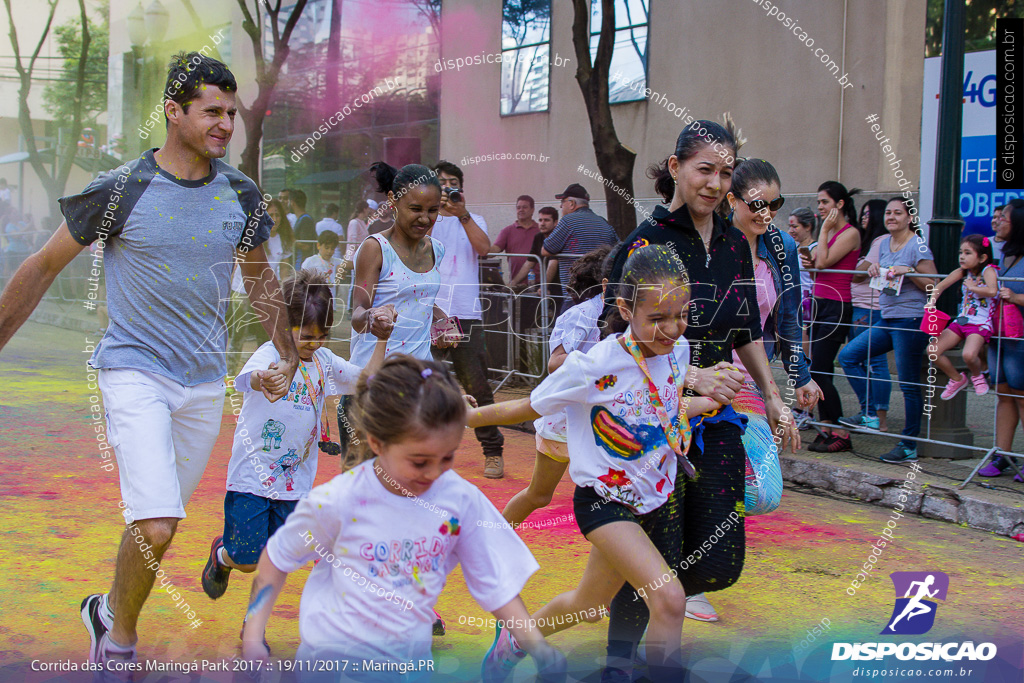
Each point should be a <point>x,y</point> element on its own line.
<point>525,53</point>
<point>628,73</point>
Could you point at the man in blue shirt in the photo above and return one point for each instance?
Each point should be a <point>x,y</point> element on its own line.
<point>170,227</point>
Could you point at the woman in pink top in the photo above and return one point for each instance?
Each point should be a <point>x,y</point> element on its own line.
<point>838,249</point>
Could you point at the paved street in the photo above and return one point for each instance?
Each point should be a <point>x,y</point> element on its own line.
<point>59,521</point>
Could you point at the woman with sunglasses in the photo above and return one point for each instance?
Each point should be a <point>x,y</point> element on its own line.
<point>722,319</point>
<point>754,200</point>
<point>838,249</point>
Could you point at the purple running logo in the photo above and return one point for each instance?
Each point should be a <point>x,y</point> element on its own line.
<point>914,613</point>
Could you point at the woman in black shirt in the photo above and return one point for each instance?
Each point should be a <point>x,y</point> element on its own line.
<point>723,317</point>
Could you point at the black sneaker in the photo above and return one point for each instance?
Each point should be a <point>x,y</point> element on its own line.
<point>215,575</point>
<point>818,441</point>
<point>94,625</point>
<point>834,444</point>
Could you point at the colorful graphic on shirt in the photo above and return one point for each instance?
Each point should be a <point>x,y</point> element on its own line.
<point>284,466</point>
<point>622,440</point>
<point>271,434</point>
<point>451,527</point>
<point>606,382</point>
<point>620,487</point>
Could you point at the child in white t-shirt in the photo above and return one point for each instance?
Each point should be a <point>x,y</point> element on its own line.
<point>324,261</point>
<point>389,531</point>
<point>578,329</point>
<point>628,427</point>
<point>274,454</point>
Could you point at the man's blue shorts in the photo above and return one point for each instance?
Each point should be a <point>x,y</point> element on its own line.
<point>249,522</point>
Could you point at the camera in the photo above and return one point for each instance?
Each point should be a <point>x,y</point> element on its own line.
<point>454,194</point>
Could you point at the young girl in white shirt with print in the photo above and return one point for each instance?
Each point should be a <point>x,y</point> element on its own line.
<point>627,428</point>
<point>389,531</point>
<point>274,454</point>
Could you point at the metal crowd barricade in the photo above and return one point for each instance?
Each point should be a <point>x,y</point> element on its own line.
<point>988,451</point>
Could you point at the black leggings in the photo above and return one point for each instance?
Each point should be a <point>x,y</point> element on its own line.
<point>828,334</point>
<point>710,514</point>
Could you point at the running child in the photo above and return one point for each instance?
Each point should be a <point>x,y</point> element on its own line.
<point>973,323</point>
<point>576,329</point>
<point>274,455</point>
<point>628,428</point>
<point>389,531</point>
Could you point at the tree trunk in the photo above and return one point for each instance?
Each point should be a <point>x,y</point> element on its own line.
<point>266,76</point>
<point>615,161</point>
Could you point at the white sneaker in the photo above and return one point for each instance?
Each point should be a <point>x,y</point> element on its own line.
<point>699,609</point>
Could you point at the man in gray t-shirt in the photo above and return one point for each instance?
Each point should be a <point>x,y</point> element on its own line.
<point>168,227</point>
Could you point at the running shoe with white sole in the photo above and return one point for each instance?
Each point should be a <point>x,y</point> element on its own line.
<point>860,421</point>
<point>503,656</point>
<point>900,453</point>
<point>93,624</point>
<point>699,609</point>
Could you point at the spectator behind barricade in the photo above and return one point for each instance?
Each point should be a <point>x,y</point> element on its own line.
<point>902,251</point>
<point>519,238</point>
<point>867,311</point>
<point>282,240</point>
<point>357,229</point>
<point>305,227</point>
<point>547,219</point>
<point>284,196</point>
<point>324,261</point>
<point>464,236</point>
<point>997,242</point>
<point>1005,355</point>
<point>580,231</point>
<point>330,222</point>
<point>838,249</point>
<point>802,228</point>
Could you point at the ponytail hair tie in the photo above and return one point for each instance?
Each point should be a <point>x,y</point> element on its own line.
<point>984,241</point>
<point>427,372</point>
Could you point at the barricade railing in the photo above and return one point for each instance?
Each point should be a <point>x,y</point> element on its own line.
<point>989,452</point>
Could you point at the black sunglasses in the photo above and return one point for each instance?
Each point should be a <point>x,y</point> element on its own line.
<point>758,205</point>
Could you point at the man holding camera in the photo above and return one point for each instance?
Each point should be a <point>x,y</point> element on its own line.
<point>464,236</point>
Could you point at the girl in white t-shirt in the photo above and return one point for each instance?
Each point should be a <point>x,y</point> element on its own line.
<point>628,427</point>
<point>973,323</point>
<point>578,329</point>
<point>274,454</point>
<point>389,531</point>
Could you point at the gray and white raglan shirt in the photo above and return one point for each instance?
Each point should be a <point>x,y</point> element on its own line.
<point>168,249</point>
